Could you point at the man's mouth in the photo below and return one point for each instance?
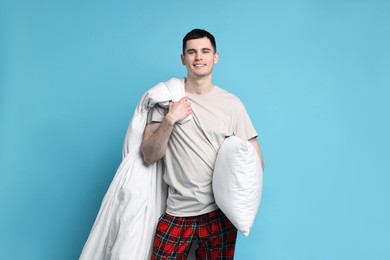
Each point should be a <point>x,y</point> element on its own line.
<point>199,65</point>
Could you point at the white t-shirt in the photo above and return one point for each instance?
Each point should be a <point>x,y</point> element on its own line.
<point>193,147</point>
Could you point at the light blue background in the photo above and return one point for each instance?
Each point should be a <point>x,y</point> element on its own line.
<point>315,78</point>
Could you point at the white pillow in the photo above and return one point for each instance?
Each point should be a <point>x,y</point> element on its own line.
<point>237,182</point>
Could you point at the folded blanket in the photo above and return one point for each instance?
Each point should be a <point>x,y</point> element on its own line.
<point>136,198</point>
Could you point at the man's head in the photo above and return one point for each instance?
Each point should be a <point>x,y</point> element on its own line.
<point>199,53</point>
<point>198,34</point>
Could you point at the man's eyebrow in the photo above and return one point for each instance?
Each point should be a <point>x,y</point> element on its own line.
<point>194,50</point>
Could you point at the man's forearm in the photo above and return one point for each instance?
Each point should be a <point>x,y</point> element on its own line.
<point>155,140</point>
<point>156,135</point>
<point>256,145</point>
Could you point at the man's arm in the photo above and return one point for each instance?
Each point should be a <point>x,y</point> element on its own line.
<point>156,135</point>
<point>256,145</point>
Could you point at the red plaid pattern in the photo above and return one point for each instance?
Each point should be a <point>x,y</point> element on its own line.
<point>213,231</point>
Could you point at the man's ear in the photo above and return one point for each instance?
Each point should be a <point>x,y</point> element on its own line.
<point>183,59</point>
<point>216,57</point>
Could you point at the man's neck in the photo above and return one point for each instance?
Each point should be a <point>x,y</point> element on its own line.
<point>198,86</point>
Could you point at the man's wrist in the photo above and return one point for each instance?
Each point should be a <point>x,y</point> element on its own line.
<point>170,120</point>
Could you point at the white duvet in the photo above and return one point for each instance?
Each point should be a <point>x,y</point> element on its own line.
<point>125,225</point>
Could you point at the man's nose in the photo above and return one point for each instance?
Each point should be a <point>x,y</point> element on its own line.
<point>198,56</point>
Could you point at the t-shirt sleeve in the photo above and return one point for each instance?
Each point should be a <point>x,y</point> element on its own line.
<point>156,114</point>
<point>243,127</point>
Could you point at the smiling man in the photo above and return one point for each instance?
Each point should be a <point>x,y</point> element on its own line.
<point>189,151</point>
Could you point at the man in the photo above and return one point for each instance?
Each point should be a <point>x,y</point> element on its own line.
<point>189,151</point>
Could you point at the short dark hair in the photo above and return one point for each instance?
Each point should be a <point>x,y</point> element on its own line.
<point>198,34</point>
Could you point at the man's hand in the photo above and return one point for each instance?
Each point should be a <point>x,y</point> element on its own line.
<point>178,110</point>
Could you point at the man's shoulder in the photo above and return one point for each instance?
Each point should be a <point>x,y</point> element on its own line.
<point>225,94</point>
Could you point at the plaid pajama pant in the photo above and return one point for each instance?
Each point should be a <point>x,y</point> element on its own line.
<point>213,231</point>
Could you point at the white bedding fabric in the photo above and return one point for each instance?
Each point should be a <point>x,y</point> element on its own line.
<point>238,182</point>
<point>136,198</point>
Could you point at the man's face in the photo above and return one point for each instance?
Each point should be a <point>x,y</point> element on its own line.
<point>199,57</point>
